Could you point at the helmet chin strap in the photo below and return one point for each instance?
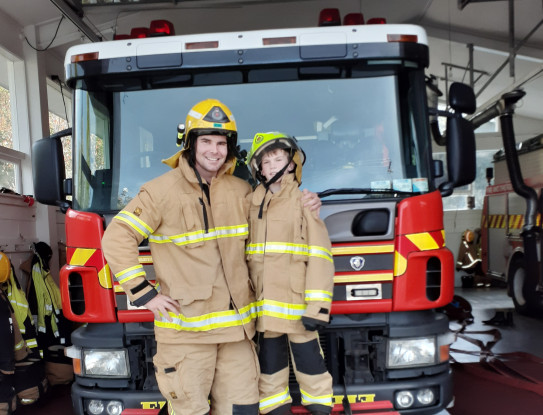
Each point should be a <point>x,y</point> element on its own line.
<point>268,183</point>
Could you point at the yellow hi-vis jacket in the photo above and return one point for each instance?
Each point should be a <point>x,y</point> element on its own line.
<point>203,269</point>
<point>19,303</point>
<point>290,260</point>
<point>47,297</point>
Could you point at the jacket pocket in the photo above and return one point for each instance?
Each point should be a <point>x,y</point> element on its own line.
<point>169,380</point>
<point>193,235</point>
<point>187,295</point>
<point>297,278</point>
<point>300,239</point>
<point>254,250</point>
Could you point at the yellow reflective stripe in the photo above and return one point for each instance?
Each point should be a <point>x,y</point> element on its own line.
<point>320,252</point>
<point>20,345</point>
<point>318,295</point>
<point>129,273</point>
<point>281,310</point>
<point>277,399</point>
<point>308,399</point>
<point>252,249</point>
<point>210,321</point>
<point>81,256</point>
<point>16,303</point>
<point>282,247</point>
<point>31,343</point>
<point>135,223</point>
<point>289,248</point>
<point>200,235</point>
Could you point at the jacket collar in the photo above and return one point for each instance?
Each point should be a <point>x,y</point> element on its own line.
<point>287,182</point>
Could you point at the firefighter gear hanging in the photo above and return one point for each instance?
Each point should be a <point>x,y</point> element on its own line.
<point>53,328</point>
<point>23,379</point>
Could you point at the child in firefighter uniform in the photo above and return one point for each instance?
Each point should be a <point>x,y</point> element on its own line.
<point>195,218</point>
<point>291,266</point>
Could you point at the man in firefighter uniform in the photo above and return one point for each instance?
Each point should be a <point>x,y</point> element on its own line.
<point>291,266</point>
<point>196,221</point>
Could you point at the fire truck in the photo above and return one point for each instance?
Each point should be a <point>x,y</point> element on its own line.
<point>355,96</point>
<point>511,219</point>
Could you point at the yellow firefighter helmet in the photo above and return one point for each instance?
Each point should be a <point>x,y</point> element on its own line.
<point>207,117</point>
<point>5,267</point>
<point>264,142</point>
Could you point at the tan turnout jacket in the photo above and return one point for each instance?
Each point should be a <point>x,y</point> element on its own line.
<point>290,260</point>
<point>205,270</point>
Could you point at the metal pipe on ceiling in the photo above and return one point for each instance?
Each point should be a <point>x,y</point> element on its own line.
<point>69,12</point>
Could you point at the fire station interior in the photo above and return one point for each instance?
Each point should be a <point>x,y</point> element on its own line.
<point>492,45</point>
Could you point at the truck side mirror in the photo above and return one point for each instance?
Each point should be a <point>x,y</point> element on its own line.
<point>461,163</point>
<point>48,171</point>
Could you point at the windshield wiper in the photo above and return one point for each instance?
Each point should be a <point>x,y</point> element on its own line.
<point>362,191</point>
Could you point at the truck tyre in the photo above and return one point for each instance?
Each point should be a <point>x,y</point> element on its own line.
<point>525,298</point>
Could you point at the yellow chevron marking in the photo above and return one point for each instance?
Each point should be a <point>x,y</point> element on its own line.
<point>104,276</point>
<point>423,241</point>
<point>356,250</point>
<point>400,264</point>
<point>81,256</point>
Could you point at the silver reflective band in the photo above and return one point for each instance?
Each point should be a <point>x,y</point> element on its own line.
<point>136,223</point>
<point>294,249</point>
<point>199,236</point>
<point>275,399</point>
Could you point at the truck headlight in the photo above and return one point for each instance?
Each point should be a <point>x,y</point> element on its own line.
<point>411,352</point>
<point>105,362</point>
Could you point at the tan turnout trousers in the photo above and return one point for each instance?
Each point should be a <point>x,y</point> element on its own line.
<point>190,374</point>
<point>308,365</point>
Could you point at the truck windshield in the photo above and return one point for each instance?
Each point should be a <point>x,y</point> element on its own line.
<point>358,132</point>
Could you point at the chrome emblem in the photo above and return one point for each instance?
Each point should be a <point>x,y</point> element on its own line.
<point>357,263</point>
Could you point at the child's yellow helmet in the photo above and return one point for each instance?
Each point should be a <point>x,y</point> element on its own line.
<point>5,267</point>
<point>264,142</point>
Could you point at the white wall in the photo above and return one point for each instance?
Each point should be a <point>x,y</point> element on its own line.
<point>18,231</point>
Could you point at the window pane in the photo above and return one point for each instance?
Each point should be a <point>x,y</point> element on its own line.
<point>8,174</point>
<point>57,124</point>
<point>458,200</point>
<point>6,136</point>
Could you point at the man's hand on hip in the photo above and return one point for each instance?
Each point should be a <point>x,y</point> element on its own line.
<point>162,304</point>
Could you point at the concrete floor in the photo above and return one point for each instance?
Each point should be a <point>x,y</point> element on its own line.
<point>525,335</point>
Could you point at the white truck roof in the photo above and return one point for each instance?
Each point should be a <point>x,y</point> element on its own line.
<point>333,35</point>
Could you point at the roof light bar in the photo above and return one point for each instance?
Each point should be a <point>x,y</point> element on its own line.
<point>139,32</point>
<point>329,17</point>
<point>377,20</point>
<point>161,27</point>
<point>353,19</point>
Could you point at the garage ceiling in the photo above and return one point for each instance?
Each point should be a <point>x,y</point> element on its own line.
<point>493,27</point>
